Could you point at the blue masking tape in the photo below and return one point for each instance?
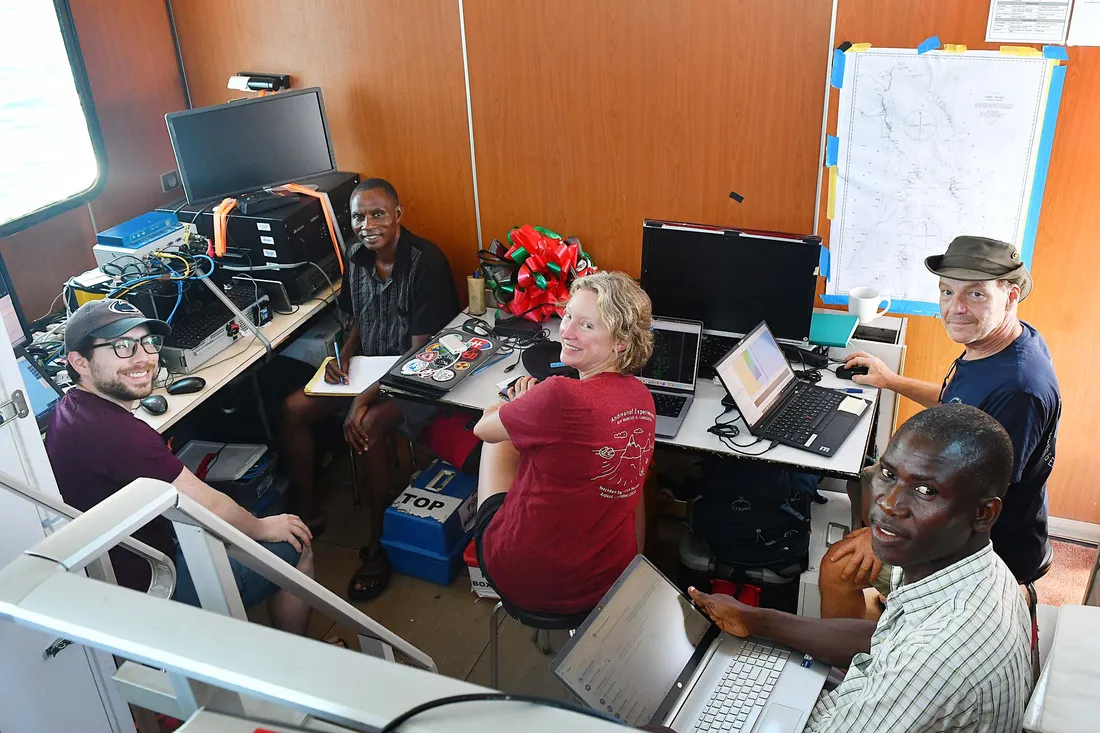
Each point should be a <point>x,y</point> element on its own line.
<point>838,69</point>
<point>930,44</point>
<point>1042,164</point>
<point>823,263</point>
<point>832,150</point>
<point>897,307</point>
<point>914,308</point>
<point>1056,52</point>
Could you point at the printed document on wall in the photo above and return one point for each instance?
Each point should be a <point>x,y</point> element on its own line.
<point>1028,21</point>
<point>1084,30</point>
<point>931,146</point>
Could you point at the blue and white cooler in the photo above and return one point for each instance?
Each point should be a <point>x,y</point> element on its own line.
<point>428,526</point>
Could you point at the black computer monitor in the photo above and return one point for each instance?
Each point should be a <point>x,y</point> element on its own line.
<point>248,145</point>
<point>731,280</point>
<point>12,315</point>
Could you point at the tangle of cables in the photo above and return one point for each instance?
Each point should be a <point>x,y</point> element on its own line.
<point>162,276</point>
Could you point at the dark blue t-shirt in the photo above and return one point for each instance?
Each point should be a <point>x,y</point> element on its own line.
<point>1018,387</point>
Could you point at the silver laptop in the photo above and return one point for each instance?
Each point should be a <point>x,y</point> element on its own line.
<point>648,656</point>
<point>670,372</point>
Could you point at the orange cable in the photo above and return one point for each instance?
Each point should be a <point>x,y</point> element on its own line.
<point>326,206</point>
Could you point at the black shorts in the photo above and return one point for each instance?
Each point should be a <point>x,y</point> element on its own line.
<point>484,518</point>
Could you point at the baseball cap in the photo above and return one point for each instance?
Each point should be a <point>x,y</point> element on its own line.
<point>980,258</point>
<point>107,319</point>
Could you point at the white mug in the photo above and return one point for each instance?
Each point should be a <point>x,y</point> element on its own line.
<point>863,303</point>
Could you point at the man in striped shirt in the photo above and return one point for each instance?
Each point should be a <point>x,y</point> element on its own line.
<point>952,650</point>
<point>399,290</point>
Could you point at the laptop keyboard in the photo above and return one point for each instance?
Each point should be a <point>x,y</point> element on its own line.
<point>800,417</point>
<point>668,405</point>
<point>745,687</point>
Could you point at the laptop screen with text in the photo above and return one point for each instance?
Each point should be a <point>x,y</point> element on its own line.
<point>627,658</point>
<point>675,355</point>
<point>755,374</point>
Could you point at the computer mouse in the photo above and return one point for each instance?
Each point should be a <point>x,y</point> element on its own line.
<point>844,372</point>
<point>155,404</point>
<point>187,385</point>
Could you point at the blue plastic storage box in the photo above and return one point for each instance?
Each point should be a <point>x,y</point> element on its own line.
<point>427,527</point>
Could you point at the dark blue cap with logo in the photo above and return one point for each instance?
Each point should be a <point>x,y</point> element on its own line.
<point>107,319</point>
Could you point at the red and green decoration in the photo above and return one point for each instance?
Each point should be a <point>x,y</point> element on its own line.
<point>531,275</point>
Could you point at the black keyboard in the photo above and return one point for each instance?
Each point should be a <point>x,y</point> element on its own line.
<point>711,351</point>
<point>668,405</point>
<point>199,317</point>
<point>801,416</point>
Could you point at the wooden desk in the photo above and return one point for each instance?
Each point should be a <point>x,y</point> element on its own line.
<point>232,362</point>
<point>479,390</point>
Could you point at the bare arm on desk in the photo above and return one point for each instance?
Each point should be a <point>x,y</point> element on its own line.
<point>925,394</point>
<point>489,428</point>
<point>279,528</point>
<point>833,641</point>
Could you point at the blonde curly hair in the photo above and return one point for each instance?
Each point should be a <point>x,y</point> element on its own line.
<point>627,313</point>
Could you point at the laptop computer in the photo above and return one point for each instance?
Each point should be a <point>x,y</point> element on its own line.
<point>648,656</point>
<point>775,405</point>
<point>670,373</point>
<point>42,392</point>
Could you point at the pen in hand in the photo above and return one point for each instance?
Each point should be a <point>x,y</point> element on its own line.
<point>336,348</point>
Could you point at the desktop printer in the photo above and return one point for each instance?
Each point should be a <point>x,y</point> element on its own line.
<point>278,244</point>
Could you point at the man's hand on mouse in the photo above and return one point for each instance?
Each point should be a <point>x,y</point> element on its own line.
<point>878,374</point>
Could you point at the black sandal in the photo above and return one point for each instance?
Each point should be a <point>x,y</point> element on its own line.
<point>372,577</point>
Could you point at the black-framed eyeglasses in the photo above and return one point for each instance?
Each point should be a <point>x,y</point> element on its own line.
<point>127,347</point>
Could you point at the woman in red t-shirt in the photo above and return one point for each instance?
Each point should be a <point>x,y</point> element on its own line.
<point>564,460</point>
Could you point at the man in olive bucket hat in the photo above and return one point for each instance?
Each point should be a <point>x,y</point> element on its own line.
<point>1006,371</point>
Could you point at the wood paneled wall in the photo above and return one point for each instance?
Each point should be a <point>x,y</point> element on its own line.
<point>1065,304</point>
<point>134,84</point>
<point>392,78</point>
<point>590,116</point>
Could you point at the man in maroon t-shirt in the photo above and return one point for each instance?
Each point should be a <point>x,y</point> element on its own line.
<point>565,460</point>
<point>96,447</point>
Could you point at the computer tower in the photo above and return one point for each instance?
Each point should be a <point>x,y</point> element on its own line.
<point>279,244</point>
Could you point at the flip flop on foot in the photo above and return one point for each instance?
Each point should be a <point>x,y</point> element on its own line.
<point>372,577</point>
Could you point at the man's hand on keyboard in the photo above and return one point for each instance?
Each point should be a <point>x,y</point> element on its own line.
<point>726,611</point>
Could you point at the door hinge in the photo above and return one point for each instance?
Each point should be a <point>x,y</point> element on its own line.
<point>56,648</point>
<point>15,408</point>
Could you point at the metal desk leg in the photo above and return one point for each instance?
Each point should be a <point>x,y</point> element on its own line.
<point>1092,592</point>
<point>354,477</point>
<point>260,408</point>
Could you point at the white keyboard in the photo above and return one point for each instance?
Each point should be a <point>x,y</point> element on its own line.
<point>745,687</point>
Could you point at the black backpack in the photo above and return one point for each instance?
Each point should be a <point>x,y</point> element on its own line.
<point>752,514</point>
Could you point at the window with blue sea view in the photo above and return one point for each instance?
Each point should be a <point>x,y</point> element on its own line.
<point>47,154</point>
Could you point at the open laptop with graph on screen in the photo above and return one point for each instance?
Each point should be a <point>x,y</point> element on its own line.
<point>648,656</point>
<point>775,405</point>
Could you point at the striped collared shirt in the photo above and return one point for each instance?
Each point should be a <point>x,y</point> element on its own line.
<point>419,298</point>
<point>950,653</point>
